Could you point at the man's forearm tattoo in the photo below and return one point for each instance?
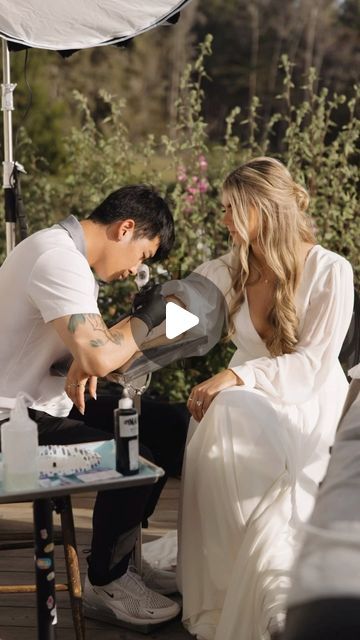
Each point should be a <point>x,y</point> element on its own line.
<point>97,324</point>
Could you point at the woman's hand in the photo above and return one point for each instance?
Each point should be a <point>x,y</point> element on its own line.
<point>75,386</point>
<point>204,393</point>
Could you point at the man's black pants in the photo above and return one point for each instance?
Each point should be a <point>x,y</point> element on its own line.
<point>163,430</point>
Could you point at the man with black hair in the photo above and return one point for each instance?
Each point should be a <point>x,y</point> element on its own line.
<point>51,311</point>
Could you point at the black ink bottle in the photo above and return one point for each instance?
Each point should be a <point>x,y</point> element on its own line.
<point>126,427</point>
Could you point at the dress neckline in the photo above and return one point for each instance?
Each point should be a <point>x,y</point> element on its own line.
<point>306,262</point>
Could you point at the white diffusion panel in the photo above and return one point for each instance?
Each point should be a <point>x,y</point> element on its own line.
<point>78,24</point>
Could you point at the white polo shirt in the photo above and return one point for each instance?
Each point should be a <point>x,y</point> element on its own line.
<point>45,277</point>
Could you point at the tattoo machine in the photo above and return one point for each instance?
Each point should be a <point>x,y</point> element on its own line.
<point>144,284</point>
<point>143,276</point>
<point>143,281</point>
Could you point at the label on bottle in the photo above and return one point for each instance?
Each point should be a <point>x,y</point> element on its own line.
<point>128,426</point>
<point>133,454</point>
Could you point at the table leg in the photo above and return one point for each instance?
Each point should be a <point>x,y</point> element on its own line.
<point>63,506</point>
<point>44,569</point>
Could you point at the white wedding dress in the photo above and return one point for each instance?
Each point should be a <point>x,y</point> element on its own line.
<point>254,462</point>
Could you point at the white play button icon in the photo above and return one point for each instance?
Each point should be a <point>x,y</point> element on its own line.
<point>178,320</point>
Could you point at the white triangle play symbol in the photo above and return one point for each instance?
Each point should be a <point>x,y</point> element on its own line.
<point>178,320</point>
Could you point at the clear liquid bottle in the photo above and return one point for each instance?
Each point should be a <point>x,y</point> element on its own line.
<point>20,450</point>
<point>126,429</point>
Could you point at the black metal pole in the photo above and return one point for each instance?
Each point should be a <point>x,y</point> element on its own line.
<point>44,569</point>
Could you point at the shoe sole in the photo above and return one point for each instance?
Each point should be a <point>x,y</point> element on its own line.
<point>143,626</point>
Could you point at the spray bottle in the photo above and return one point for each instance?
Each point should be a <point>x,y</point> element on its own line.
<point>19,445</point>
<point>126,427</point>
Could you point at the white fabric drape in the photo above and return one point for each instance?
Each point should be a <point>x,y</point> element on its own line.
<point>254,462</point>
<point>65,24</point>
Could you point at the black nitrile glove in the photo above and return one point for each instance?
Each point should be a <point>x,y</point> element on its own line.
<point>149,305</point>
<point>142,296</point>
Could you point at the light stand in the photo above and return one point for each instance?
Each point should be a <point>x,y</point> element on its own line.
<point>7,106</point>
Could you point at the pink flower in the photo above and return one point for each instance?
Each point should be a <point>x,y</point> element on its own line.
<point>188,206</point>
<point>181,176</point>
<point>203,185</point>
<point>203,163</point>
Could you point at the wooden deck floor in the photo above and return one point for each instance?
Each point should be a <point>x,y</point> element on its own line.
<point>18,612</point>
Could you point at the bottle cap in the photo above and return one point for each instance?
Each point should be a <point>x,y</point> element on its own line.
<point>125,401</point>
<point>19,417</point>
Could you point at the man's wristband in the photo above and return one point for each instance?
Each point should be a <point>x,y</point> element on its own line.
<point>146,319</point>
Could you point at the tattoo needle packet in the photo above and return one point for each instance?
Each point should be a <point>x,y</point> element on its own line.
<point>97,476</point>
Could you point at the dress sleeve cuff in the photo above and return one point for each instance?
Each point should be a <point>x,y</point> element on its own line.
<point>246,374</point>
<point>354,372</point>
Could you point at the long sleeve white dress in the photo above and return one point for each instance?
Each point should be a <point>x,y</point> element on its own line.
<point>254,462</point>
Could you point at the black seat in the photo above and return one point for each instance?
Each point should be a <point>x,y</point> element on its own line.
<point>350,350</point>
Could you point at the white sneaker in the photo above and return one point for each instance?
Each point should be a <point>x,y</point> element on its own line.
<point>157,579</point>
<point>127,600</point>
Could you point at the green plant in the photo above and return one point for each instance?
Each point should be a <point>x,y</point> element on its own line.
<point>324,157</point>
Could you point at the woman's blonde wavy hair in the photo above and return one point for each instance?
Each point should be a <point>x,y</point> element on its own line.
<point>265,185</point>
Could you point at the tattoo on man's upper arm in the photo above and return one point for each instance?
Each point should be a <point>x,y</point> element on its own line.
<point>97,324</point>
<point>75,320</point>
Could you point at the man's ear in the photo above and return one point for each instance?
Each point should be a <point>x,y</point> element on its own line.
<point>124,228</point>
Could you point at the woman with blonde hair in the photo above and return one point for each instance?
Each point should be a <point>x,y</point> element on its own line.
<point>260,432</point>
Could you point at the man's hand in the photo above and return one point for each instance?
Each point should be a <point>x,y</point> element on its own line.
<point>204,393</point>
<point>75,386</point>
<point>150,307</point>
